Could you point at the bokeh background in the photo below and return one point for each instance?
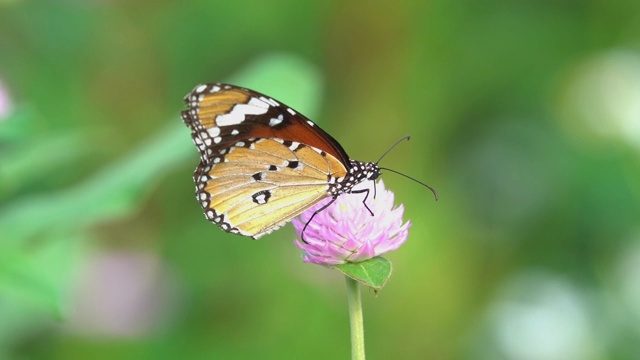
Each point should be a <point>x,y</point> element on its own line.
<point>524,115</point>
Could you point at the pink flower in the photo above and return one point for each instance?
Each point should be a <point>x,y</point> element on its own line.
<point>5,102</point>
<point>346,231</point>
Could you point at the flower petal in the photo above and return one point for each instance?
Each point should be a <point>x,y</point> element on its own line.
<point>346,231</point>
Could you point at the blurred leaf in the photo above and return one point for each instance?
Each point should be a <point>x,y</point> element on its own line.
<point>373,272</point>
<point>110,193</point>
<point>25,164</point>
<point>17,126</point>
<point>39,275</point>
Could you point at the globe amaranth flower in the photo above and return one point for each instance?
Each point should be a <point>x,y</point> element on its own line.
<point>347,232</point>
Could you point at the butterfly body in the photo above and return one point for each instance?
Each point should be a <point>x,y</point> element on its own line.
<point>261,162</point>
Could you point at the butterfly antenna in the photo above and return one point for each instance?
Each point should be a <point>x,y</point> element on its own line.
<point>418,181</point>
<point>407,137</point>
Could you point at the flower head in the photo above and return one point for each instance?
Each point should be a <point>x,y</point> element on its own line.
<point>346,232</point>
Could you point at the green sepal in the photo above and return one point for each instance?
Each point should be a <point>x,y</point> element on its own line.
<point>373,272</point>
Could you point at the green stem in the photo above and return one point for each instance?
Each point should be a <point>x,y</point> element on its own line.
<point>355,318</point>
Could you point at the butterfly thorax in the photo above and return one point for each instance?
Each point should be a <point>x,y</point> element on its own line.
<point>358,172</point>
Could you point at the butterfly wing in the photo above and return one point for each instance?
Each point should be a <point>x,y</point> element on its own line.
<point>262,163</point>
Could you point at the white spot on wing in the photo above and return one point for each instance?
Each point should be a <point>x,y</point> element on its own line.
<point>258,103</point>
<point>261,199</point>
<point>214,131</point>
<point>290,110</point>
<point>238,113</point>
<point>232,118</point>
<point>200,88</point>
<point>276,121</point>
<point>269,101</point>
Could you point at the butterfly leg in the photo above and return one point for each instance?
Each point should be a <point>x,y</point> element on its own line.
<point>365,198</point>
<point>314,215</point>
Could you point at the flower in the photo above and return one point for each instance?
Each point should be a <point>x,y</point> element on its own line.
<point>5,102</point>
<point>346,231</point>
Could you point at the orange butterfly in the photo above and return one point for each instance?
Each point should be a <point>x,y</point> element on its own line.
<point>261,162</point>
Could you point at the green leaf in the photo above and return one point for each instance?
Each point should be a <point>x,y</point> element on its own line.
<point>373,272</point>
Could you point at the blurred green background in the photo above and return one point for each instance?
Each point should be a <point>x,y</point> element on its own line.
<point>524,115</point>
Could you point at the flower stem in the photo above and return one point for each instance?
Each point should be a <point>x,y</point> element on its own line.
<point>355,318</point>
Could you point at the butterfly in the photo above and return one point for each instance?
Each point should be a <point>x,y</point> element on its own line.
<point>261,162</point>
